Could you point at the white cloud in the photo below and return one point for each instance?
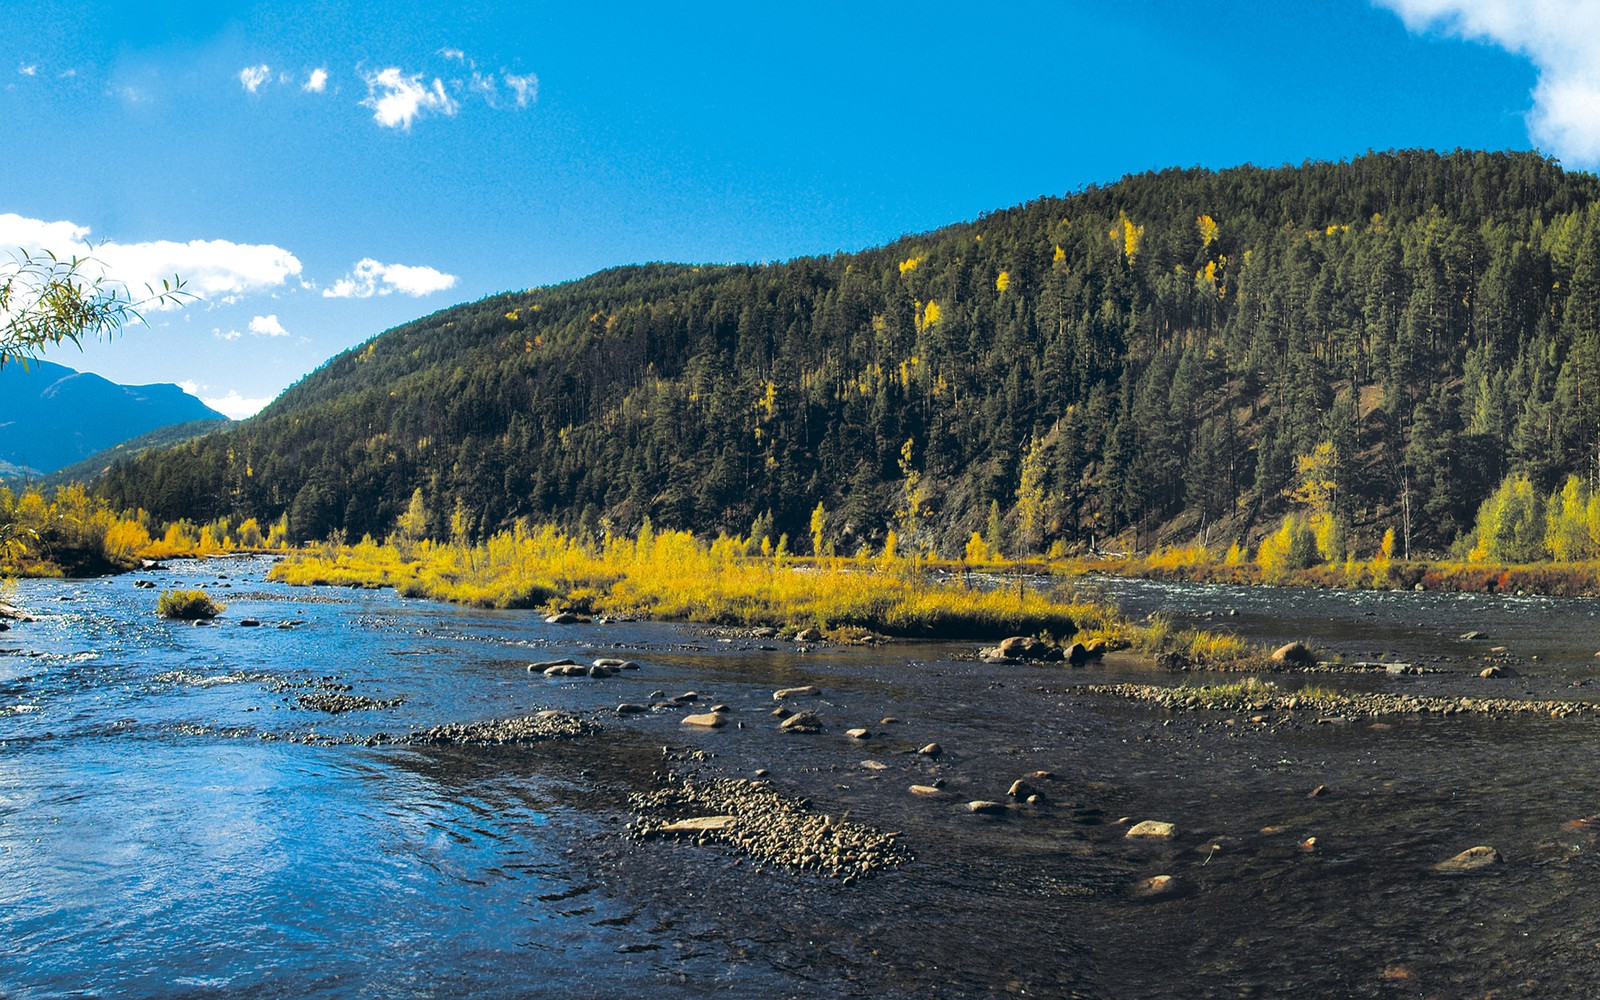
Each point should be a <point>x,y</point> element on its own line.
<point>211,269</point>
<point>397,100</point>
<point>317,81</point>
<point>456,54</point>
<point>1562,40</point>
<point>232,404</point>
<point>221,334</point>
<point>371,278</point>
<point>525,87</point>
<point>252,77</point>
<point>267,326</point>
<point>28,70</point>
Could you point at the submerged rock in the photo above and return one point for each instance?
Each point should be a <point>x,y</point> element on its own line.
<point>802,722</point>
<point>1152,829</point>
<point>1470,860</point>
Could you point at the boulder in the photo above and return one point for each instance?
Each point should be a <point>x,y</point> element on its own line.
<point>1020,789</point>
<point>1498,670</point>
<point>249,623</point>
<point>630,708</point>
<point>544,666</point>
<point>1295,654</point>
<point>1023,647</point>
<point>802,722</point>
<point>707,720</point>
<point>599,671</point>
<point>1152,829</point>
<point>1470,860</point>
<point>1158,885</point>
<point>562,618</point>
<point>808,635</point>
<point>1076,654</point>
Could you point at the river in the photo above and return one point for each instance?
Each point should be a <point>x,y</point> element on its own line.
<point>173,822</point>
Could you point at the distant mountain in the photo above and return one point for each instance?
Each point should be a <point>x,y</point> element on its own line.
<point>52,415</point>
<point>91,468</point>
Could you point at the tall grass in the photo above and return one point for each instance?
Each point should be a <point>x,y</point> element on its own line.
<point>673,575</point>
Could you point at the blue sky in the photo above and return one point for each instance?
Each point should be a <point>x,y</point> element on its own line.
<point>320,173</point>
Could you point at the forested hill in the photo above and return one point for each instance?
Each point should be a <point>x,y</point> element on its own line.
<point>1140,361</point>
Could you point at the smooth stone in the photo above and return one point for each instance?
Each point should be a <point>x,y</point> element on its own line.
<point>805,691</point>
<point>1154,829</point>
<point>889,720</point>
<point>808,635</point>
<point>708,720</point>
<point>1470,636</point>
<point>599,671</point>
<point>931,750</point>
<point>1317,792</point>
<point>984,807</point>
<point>1077,654</point>
<point>545,665</point>
<point>925,790</point>
<point>629,708</point>
<point>1470,860</point>
<point>1498,671</point>
<point>685,697</point>
<point>700,824</point>
<point>857,734</point>
<point>609,661</point>
<point>875,765</point>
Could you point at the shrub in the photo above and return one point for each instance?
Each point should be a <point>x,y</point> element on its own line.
<point>187,605</point>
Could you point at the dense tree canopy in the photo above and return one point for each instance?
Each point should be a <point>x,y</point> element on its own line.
<point>1156,356</point>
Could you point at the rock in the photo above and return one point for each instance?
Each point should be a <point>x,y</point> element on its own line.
<point>1294,654</point>
<point>858,734</point>
<point>687,696</point>
<point>1076,654</point>
<point>614,664</point>
<point>249,623</point>
<point>598,671</point>
<point>1400,669</point>
<point>629,708</point>
<point>782,713</point>
<point>1498,670</point>
<point>802,722</point>
<point>984,807</point>
<point>1096,647</point>
<point>1317,792</point>
<point>707,720</point>
<point>1023,647</point>
<point>699,824</point>
<point>931,750</point>
<point>1153,829</point>
<point>1473,636</point>
<point>1157,885</point>
<point>805,691</point>
<point>925,790</point>
<point>566,670</point>
<point>1021,790</point>
<point>544,665</point>
<point>888,720</point>
<point>720,708</point>
<point>562,618</point>
<point>1470,860</point>
<point>808,635</point>
<point>875,765</point>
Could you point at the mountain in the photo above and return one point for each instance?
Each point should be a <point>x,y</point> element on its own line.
<point>88,469</point>
<point>1181,353</point>
<point>52,416</point>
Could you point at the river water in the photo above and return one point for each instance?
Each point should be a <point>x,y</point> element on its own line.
<point>174,824</point>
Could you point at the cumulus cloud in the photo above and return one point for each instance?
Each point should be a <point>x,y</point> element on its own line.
<point>398,99</point>
<point>211,269</point>
<point>1560,37</point>
<point>232,404</point>
<point>267,326</point>
<point>371,278</point>
<point>252,77</point>
<point>316,81</point>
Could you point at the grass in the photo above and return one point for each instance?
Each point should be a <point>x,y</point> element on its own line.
<point>675,576</point>
<point>187,605</point>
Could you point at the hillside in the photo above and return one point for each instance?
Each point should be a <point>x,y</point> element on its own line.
<point>52,416</point>
<point>1136,362</point>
